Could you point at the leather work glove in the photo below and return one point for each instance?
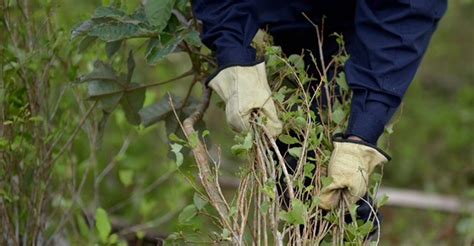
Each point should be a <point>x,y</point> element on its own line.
<point>350,166</point>
<point>244,89</point>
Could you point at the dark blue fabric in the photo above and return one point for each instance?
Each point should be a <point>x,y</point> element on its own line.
<point>385,38</point>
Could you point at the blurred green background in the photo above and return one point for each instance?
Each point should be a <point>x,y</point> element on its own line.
<point>432,145</point>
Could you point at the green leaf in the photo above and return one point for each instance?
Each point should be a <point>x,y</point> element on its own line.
<point>300,121</point>
<point>176,149</point>
<point>366,228</point>
<point>173,137</point>
<point>115,31</point>
<point>187,214</point>
<point>132,102</point>
<point>342,82</point>
<point>181,4</point>
<point>108,12</point>
<point>199,202</point>
<point>158,51</point>
<point>82,29</point>
<point>85,43</point>
<point>205,133</point>
<point>297,214</point>
<point>287,139</point>
<point>269,189</point>
<point>308,170</point>
<point>113,239</point>
<point>296,152</point>
<point>338,115</point>
<point>107,92</point>
<point>326,181</point>
<point>102,224</point>
<point>83,227</point>
<point>158,111</point>
<point>297,61</point>
<point>158,12</point>
<point>382,200</point>
<point>126,177</point>
<point>353,210</point>
<point>130,66</point>
<point>102,71</point>
<point>244,147</point>
<point>193,140</point>
<point>112,47</point>
<point>193,38</point>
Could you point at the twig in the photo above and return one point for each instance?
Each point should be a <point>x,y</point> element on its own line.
<point>200,155</point>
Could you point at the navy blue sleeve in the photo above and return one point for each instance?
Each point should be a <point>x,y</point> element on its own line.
<point>228,29</point>
<point>390,39</point>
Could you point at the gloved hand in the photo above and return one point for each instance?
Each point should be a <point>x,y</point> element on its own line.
<point>350,166</point>
<point>243,89</point>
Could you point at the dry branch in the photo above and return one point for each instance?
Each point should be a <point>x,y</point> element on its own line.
<point>402,198</point>
<point>206,174</point>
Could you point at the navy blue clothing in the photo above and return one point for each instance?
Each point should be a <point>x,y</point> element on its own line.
<point>386,40</point>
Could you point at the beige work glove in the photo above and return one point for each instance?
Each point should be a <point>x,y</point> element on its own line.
<point>350,166</point>
<point>244,89</point>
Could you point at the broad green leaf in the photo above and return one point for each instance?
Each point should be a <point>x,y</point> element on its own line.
<point>353,210</point>
<point>115,31</point>
<point>85,43</point>
<point>101,71</point>
<point>108,12</point>
<point>173,137</point>
<point>139,14</point>
<point>244,147</point>
<point>112,47</point>
<point>296,152</point>
<point>297,61</point>
<point>193,139</point>
<point>342,82</point>
<point>102,224</point>
<point>132,102</point>
<point>269,189</point>
<point>160,51</point>
<point>176,149</point>
<point>158,111</point>
<point>199,202</point>
<point>82,29</point>
<point>158,12</point>
<point>308,170</point>
<point>300,121</point>
<point>382,200</point>
<point>187,214</point>
<point>113,239</point>
<point>297,213</point>
<point>107,92</point>
<point>287,139</point>
<point>205,133</point>
<point>366,228</point>
<point>181,4</point>
<point>326,181</point>
<point>338,115</point>
<point>126,177</point>
<point>82,225</point>
<point>193,38</point>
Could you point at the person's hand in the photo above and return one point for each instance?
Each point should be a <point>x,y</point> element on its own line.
<point>350,166</point>
<point>245,89</point>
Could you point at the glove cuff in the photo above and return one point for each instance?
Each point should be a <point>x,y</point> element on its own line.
<point>220,69</point>
<point>342,138</point>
